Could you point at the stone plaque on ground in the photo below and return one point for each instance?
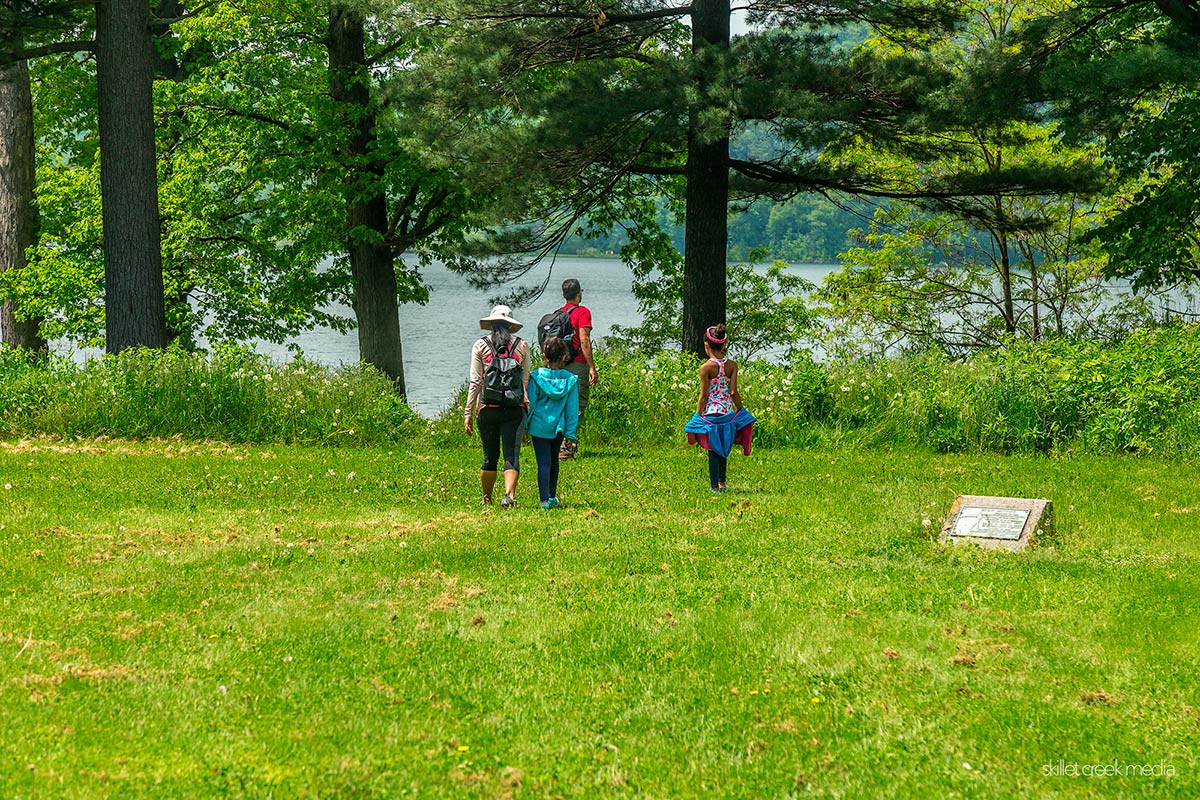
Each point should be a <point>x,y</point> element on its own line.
<point>1007,523</point>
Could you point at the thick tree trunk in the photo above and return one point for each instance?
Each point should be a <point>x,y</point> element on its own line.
<point>376,305</point>
<point>133,281</point>
<point>707,174</point>
<point>18,214</point>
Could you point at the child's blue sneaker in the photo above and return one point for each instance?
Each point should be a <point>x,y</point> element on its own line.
<point>553,502</point>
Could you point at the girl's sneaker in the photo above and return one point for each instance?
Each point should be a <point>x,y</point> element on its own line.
<point>546,504</point>
<point>552,503</point>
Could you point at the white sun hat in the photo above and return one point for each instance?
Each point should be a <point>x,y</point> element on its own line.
<point>500,314</point>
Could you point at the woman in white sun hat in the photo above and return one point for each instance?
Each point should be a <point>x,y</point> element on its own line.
<point>497,399</point>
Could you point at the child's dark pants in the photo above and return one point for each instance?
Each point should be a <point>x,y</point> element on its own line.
<point>716,469</point>
<point>546,451</point>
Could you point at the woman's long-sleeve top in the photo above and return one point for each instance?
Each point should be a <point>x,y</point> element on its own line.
<point>481,355</point>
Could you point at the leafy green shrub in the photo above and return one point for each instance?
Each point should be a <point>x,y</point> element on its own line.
<point>1139,395</point>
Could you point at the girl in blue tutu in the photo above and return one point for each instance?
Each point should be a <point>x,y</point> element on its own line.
<point>720,421</point>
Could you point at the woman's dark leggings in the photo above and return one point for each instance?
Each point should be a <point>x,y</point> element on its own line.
<point>716,469</point>
<point>500,426</point>
<point>546,451</point>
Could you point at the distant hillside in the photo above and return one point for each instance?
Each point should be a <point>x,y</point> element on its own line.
<point>808,229</point>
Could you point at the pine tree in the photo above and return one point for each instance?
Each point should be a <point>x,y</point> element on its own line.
<point>619,101</point>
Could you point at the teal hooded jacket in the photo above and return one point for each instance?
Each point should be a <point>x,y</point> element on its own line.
<point>553,404</point>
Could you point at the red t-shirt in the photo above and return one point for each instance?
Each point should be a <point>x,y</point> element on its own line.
<point>581,317</point>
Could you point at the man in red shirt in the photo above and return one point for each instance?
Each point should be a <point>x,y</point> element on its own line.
<point>584,365</point>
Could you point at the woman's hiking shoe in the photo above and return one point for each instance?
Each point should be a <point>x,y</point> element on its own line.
<point>567,449</point>
<point>487,501</point>
<point>508,502</point>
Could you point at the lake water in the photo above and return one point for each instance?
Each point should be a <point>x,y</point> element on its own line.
<point>438,336</point>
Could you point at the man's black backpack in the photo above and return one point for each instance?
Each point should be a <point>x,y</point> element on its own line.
<point>558,323</point>
<point>503,377</point>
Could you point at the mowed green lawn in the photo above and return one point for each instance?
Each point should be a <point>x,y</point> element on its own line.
<point>199,620</point>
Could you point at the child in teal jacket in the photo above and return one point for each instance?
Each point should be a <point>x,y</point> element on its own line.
<point>553,415</point>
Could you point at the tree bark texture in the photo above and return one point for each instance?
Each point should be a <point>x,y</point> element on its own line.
<point>707,194</point>
<point>133,281</point>
<point>18,214</point>
<point>372,265</point>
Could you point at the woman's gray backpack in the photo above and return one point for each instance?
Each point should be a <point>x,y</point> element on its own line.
<point>503,377</point>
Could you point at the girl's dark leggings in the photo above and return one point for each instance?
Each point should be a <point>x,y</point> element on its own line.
<point>716,469</point>
<point>500,426</point>
<point>546,451</point>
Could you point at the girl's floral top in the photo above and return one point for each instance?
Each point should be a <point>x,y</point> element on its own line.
<point>719,399</point>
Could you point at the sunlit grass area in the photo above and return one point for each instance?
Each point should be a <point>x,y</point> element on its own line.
<point>199,620</point>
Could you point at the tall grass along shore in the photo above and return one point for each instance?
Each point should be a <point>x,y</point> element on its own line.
<point>1140,395</point>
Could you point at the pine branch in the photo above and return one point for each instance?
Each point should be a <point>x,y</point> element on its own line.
<point>650,169</point>
<point>385,52</point>
<point>597,19</point>
<point>422,227</point>
<point>873,186</point>
<point>27,53</point>
<point>402,216</point>
<point>180,18</point>
<point>256,116</point>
